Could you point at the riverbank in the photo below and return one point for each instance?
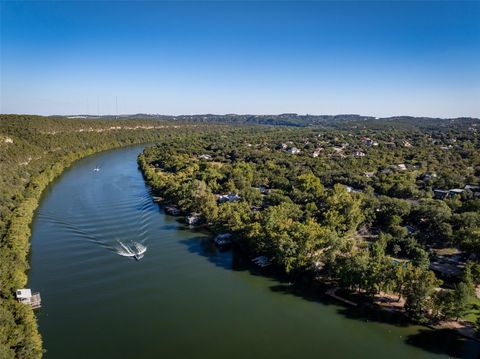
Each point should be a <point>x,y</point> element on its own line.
<point>184,289</point>
<point>17,239</point>
<point>37,152</point>
<point>388,302</point>
<point>381,301</point>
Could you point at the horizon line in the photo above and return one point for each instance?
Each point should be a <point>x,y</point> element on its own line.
<point>239,114</point>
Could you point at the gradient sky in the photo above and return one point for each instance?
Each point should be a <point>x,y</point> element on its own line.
<point>372,58</point>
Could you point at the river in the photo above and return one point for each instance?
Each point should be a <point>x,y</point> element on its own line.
<point>184,299</point>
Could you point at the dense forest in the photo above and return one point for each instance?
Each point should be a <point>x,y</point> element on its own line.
<point>370,205</point>
<point>296,120</point>
<point>382,209</point>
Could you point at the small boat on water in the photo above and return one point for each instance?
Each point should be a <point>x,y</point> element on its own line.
<point>136,251</point>
<point>96,169</point>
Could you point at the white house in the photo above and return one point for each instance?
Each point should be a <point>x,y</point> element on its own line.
<point>24,295</point>
<point>359,154</point>
<point>231,197</point>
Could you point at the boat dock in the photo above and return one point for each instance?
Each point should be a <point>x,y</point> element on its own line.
<point>26,296</point>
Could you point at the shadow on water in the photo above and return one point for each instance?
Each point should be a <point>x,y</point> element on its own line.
<point>437,341</point>
<point>169,227</point>
<point>444,341</point>
<point>228,258</point>
<point>204,246</point>
<point>315,292</point>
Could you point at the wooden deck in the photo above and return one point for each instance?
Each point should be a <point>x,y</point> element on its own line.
<point>36,301</point>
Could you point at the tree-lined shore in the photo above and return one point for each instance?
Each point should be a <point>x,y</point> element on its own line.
<point>378,212</point>
<point>34,151</point>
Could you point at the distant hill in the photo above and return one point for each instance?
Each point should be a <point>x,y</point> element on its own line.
<point>293,119</point>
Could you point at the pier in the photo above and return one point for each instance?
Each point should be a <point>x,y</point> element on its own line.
<point>26,296</point>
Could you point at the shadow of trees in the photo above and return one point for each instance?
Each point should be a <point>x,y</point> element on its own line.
<point>446,342</point>
<point>442,341</point>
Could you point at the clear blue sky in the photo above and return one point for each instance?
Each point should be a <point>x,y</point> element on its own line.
<point>374,58</point>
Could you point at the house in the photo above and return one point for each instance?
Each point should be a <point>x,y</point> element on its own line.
<point>369,142</point>
<point>25,296</point>
<point>359,154</point>
<point>429,176</point>
<point>369,174</point>
<point>293,150</point>
<point>455,192</point>
<point>402,167</point>
<point>443,194</point>
<point>440,193</point>
<point>193,219</point>
<point>205,157</point>
<point>231,197</point>
<point>350,189</point>
<point>472,188</point>
<point>407,144</point>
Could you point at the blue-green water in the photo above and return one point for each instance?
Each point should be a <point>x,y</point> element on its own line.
<point>183,299</point>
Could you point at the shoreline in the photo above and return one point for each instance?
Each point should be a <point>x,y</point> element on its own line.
<point>381,302</point>
<point>18,230</point>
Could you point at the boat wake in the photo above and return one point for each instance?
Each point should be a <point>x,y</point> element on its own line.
<point>134,250</point>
